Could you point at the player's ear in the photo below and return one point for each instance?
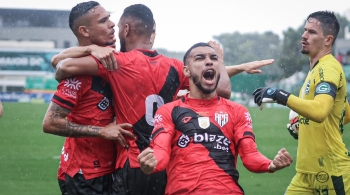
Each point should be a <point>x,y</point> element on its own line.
<point>329,40</point>
<point>187,71</point>
<point>126,30</point>
<point>84,31</point>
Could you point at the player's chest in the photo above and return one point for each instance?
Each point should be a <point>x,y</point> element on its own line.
<point>308,89</point>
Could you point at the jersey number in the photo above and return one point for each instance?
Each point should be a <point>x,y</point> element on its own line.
<point>153,102</point>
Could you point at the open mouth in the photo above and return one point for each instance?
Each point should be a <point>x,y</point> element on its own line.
<point>209,74</point>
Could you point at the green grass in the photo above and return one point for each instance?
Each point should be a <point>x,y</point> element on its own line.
<point>28,165</point>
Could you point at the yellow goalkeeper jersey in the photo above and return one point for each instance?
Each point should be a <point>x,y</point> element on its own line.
<point>321,149</point>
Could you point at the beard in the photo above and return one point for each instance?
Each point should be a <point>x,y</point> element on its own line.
<point>122,45</point>
<point>304,51</point>
<point>195,80</point>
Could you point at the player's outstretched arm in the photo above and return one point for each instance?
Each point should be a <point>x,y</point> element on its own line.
<point>55,122</point>
<point>76,66</point>
<point>282,160</point>
<point>103,54</point>
<point>249,67</point>
<point>224,85</point>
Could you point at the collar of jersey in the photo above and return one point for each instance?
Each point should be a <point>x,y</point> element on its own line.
<point>200,102</point>
<point>326,57</point>
<point>149,53</point>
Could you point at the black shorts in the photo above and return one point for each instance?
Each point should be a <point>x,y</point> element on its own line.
<point>132,181</point>
<point>63,187</point>
<point>79,185</point>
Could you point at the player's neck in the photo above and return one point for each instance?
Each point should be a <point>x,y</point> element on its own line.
<point>319,55</point>
<point>138,45</point>
<point>196,93</point>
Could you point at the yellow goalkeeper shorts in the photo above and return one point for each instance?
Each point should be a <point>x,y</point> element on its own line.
<point>320,184</point>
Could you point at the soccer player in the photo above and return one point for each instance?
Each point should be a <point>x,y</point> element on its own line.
<point>323,162</point>
<point>143,81</point>
<point>87,160</point>
<point>197,139</point>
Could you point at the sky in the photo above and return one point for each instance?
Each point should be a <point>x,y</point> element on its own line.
<point>182,23</point>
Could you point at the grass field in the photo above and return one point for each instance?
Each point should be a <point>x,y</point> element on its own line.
<point>29,157</point>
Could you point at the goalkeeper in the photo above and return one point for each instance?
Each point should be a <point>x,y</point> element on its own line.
<point>323,162</point>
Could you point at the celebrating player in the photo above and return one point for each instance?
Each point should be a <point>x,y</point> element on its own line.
<point>323,162</point>
<point>198,138</point>
<point>87,160</point>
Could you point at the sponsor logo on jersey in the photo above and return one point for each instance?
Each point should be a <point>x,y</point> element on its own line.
<point>221,118</point>
<point>103,104</point>
<point>186,119</point>
<point>97,164</point>
<point>203,113</point>
<point>183,141</point>
<point>320,162</point>
<point>303,120</point>
<point>322,176</point>
<point>69,92</point>
<point>271,91</point>
<point>307,87</point>
<point>65,156</point>
<point>222,142</point>
<point>203,122</point>
<point>320,72</point>
<point>248,118</point>
<point>72,83</point>
<point>158,118</point>
<point>323,88</point>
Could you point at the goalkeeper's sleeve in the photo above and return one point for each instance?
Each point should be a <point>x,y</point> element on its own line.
<point>316,110</point>
<point>252,159</point>
<point>347,113</point>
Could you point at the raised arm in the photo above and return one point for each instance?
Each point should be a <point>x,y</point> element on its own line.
<point>76,66</point>
<point>103,54</point>
<point>55,122</point>
<point>250,67</point>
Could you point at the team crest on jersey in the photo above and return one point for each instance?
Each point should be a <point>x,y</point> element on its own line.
<point>72,83</point>
<point>221,118</point>
<point>323,88</point>
<point>203,122</point>
<point>183,141</point>
<point>307,87</point>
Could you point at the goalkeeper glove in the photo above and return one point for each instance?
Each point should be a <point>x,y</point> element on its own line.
<point>270,95</point>
<point>292,132</point>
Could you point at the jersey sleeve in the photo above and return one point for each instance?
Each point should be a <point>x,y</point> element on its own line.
<point>252,159</point>
<point>70,90</point>
<point>162,136</point>
<point>327,80</point>
<point>242,124</point>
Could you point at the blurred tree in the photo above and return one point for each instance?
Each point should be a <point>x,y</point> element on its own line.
<point>343,22</point>
<point>240,48</point>
<point>171,54</point>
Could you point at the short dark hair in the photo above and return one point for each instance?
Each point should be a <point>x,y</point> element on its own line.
<point>142,13</point>
<point>80,10</point>
<point>329,22</point>
<point>200,44</point>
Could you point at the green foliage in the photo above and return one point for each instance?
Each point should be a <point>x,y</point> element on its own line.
<point>291,59</point>
<point>343,22</point>
<point>240,48</point>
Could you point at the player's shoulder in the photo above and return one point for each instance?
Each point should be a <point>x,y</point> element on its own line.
<point>171,61</point>
<point>232,105</point>
<point>328,61</point>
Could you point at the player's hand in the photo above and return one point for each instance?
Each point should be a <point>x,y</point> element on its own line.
<point>270,95</point>
<point>253,67</point>
<point>291,131</point>
<point>105,56</point>
<point>147,161</point>
<point>218,50</point>
<point>117,132</point>
<point>282,160</point>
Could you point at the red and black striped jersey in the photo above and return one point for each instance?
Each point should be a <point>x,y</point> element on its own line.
<point>197,142</point>
<point>90,100</point>
<point>143,81</point>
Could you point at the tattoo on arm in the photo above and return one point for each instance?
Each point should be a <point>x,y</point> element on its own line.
<point>63,127</point>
